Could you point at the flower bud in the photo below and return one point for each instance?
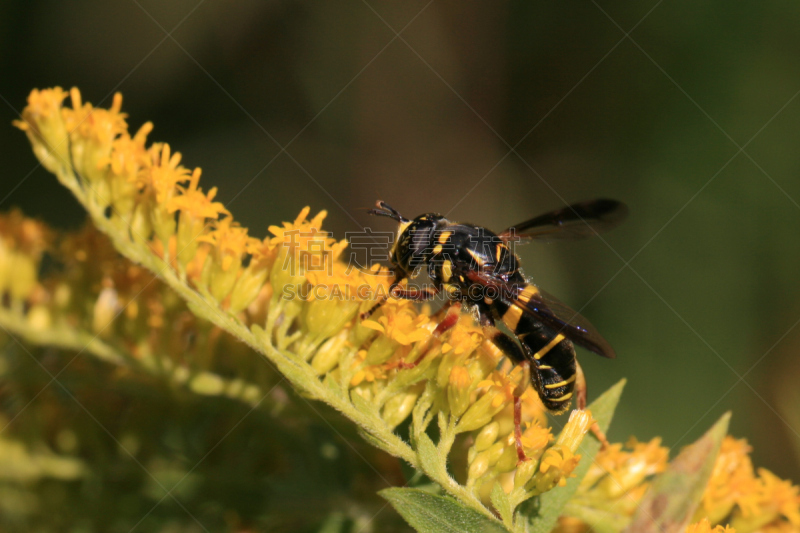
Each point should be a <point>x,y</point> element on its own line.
<point>247,288</point>
<point>207,384</point>
<point>62,295</point>
<point>287,276</point>
<point>327,357</point>
<point>123,192</point>
<point>478,467</point>
<point>325,316</point>
<point>579,423</point>
<point>45,128</point>
<point>22,271</point>
<point>105,310</point>
<point>381,350</point>
<point>163,223</point>
<point>524,473</point>
<point>39,318</point>
<point>223,276</point>
<point>486,436</point>
<point>494,452</point>
<point>190,227</point>
<point>508,460</point>
<point>458,390</point>
<point>140,224</point>
<point>471,454</point>
<point>481,412</point>
<point>400,406</point>
<point>449,360</point>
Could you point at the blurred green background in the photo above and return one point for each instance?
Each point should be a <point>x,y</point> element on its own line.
<point>691,120</point>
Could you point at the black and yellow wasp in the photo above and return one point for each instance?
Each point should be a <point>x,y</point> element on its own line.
<point>478,268</point>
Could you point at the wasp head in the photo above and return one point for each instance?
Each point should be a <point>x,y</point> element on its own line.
<point>413,244</point>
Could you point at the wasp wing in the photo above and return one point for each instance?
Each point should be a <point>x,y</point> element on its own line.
<point>563,319</point>
<point>549,310</point>
<point>577,221</point>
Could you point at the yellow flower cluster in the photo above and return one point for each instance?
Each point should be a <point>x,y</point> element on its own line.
<point>292,291</point>
<point>88,299</point>
<point>735,495</point>
<point>22,244</point>
<point>290,296</point>
<point>704,526</point>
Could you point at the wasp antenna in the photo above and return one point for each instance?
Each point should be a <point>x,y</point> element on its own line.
<point>384,205</point>
<point>378,212</point>
<point>386,210</point>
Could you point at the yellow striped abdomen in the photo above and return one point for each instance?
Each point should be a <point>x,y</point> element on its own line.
<point>551,354</point>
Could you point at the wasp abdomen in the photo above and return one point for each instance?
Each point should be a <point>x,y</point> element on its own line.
<point>551,354</point>
<point>554,356</point>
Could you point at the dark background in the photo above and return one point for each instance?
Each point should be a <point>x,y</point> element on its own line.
<point>491,113</point>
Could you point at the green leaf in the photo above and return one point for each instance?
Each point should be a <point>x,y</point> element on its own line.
<point>428,513</point>
<point>429,456</point>
<point>552,503</point>
<point>333,385</point>
<point>675,495</point>
<point>502,504</point>
<point>416,478</point>
<point>364,405</point>
<point>372,439</point>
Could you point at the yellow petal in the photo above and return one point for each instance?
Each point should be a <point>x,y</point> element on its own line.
<point>371,324</point>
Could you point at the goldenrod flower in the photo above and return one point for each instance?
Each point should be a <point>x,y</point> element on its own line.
<point>772,499</point>
<point>616,471</point>
<point>704,526</point>
<point>495,394</point>
<point>735,495</point>
<point>731,481</point>
<point>43,123</point>
<point>93,130</point>
<point>367,373</point>
<point>399,407</point>
<point>400,322</point>
<point>295,278</point>
<point>195,207</point>
<point>560,460</point>
<point>458,390</point>
<point>291,297</point>
<point>21,249</point>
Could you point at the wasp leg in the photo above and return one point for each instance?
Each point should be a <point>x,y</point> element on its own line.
<point>580,387</point>
<point>450,320</point>
<point>366,314</point>
<point>395,284</point>
<point>505,345</point>
<point>419,295</point>
<point>518,392</point>
<point>580,398</point>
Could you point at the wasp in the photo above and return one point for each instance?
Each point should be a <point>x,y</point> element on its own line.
<point>478,268</point>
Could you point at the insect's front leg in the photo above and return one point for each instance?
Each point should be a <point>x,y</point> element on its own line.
<point>399,276</point>
<point>412,293</point>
